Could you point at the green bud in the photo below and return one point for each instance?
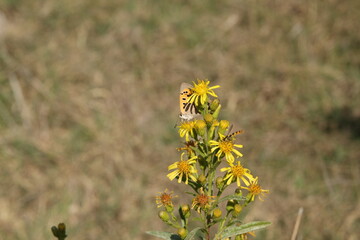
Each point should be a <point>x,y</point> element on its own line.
<point>62,230</point>
<point>223,126</point>
<point>217,213</point>
<point>208,119</point>
<point>55,231</point>
<point>202,179</point>
<point>230,205</point>
<point>217,111</point>
<point>237,210</point>
<point>164,216</point>
<point>238,192</point>
<point>214,104</point>
<point>59,231</point>
<point>185,210</point>
<point>201,127</point>
<point>219,182</point>
<point>169,208</point>
<point>182,232</point>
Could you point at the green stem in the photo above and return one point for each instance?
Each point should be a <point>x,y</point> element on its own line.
<point>221,228</point>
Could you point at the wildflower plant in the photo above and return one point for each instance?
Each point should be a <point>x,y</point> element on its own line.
<point>209,144</point>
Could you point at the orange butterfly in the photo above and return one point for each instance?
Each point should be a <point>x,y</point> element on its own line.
<point>188,110</point>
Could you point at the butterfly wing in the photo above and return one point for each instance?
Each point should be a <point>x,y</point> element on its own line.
<point>187,110</point>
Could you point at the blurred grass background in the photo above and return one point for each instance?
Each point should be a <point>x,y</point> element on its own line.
<point>89,97</point>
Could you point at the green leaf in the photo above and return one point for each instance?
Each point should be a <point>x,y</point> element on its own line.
<point>164,235</point>
<point>195,233</point>
<point>232,197</point>
<point>248,227</point>
<point>199,151</point>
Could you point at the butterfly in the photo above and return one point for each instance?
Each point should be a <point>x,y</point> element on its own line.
<point>188,110</point>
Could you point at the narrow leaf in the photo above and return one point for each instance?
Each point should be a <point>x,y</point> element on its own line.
<point>248,227</point>
<point>197,232</point>
<point>232,197</point>
<point>199,152</point>
<point>164,235</point>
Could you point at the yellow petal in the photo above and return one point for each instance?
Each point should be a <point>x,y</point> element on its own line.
<point>172,175</point>
<point>237,152</point>
<point>173,166</point>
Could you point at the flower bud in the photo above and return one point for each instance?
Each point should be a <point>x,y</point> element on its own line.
<point>214,104</point>
<point>200,127</point>
<point>238,192</point>
<point>185,210</point>
<point>202,179</point>
<point>223,126</point>
<point>62,229</point>
<point>208,119</point>
<point>239,237</point>
<point>237,210</point>
<point>169,208</point>
<point>164,216</point>
<point>55,231</point>
<point>230,205</point>
<point>215,123</point>
<point>182,232</point>
<point>219,182</point>
<point>216,112</point>
<point>217,213</point>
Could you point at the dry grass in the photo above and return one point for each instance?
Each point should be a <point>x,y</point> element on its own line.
<point>88,101</point>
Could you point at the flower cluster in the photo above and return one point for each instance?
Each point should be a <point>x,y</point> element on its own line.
<point>209,144</point>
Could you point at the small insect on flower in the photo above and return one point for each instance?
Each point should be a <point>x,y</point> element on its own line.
<point>202,201</point>
<point>188,110</point>
<point>183,168</point>
<point>165,198</point>
<point>200,92</point>
<point>227,146</point>
<point>232,135</point>
<point>255,190</point>
<point>237,172</point>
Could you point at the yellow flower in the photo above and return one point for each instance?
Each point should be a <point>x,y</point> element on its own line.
<point>226,146</point>
<point>187,129</point>
<point>237,172</point>
<point>183,168</point>
<point>164,199</point>
<point>202,201</point>
<point>200,92</point>
<point>255,190</point>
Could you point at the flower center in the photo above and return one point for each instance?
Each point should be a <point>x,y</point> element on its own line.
<point>184,167</point>
<point>255,189</point>
<point>201,89</point>
<point>188,126</point>
<point>238,170</point>
<point>202,199</point>
<point>165,199</point>
<point>226,146</point>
